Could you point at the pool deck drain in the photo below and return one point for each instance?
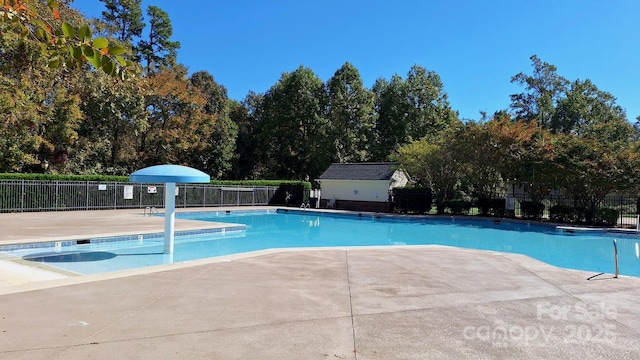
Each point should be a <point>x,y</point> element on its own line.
<point>347,303</point>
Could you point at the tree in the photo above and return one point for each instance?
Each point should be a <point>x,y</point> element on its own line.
<point>590,112</point>
<point>158,51</point>
<point>525,155</point>
<point>114,115</point>
<point>40,110</point>
<point>62,42</point>
<point>544,89</point>
<point>409,110</point>
<point>215,93</point>
<point>391,116</point>
<point>246,116</point>
<point>59,130</point>
<point>589,170</point>
<point>429,110</point>
<point>432,165</point>
<point>472,146</point>
<point>216,158</point>
<point>350,115</point>
<point>179,127</point>
<point>292,131</point>
<point>19,140</point>
<point>124,19</point>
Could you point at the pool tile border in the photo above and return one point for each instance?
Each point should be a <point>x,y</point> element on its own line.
<point>117,238</point>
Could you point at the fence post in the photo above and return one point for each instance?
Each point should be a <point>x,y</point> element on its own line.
<point>86,187</point>
<point>56,195</point>
<point>22,197</point>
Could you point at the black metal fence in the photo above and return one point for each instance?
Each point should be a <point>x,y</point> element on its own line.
<point>616,209</point>
<point>35,195</point>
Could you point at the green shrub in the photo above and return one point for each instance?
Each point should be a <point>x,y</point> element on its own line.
<point>304,184</point>
<point>531,209</point>
<point>563,213</point>
<point>484,204</point>
<point>289,194</point>
<point>497,207</point>
<point>458,207</point>
<point>111,178</point>
<point>607,216</point>
<point>61,177</point>
<point>412,200</point>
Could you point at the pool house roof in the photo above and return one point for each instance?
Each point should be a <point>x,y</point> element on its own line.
<point>360,171</point>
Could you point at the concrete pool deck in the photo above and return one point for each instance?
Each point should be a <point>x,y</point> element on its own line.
<point>422,302</point>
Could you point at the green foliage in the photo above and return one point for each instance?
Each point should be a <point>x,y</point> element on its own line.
<point>63,177</point>
<point>19,140</point>
<point>409,110</point>
<point>531,209</point>
<point>106,178</point>
<point>607,216</point>
<point>113,117</point>
<point>291,130</point>
<point>432,165</point>
<point>544,88</point>
<point>491,206</point>
<point>123,19</point>
<point>589,112</point>
<point>412,200</point>
<point>524,154</point>
<point>244,159</point>
<point>290,194</point>
<point>458,207</point>
<point>215,158</point>
<point>158,51</point>
<point>350,116</point>
<point>589,169</point>
<point>564,213</point>
<point>571,214</point>
<point>498,207</point>
<point>305,184</point>
<point>62,42</point>
<point>474,150</point>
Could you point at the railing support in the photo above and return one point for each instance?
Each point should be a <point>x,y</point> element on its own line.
<point>615,258</point>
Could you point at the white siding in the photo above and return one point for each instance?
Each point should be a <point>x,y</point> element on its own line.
<point>356,190</point>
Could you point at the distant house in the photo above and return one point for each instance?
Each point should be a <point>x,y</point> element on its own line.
<point>360,186</point>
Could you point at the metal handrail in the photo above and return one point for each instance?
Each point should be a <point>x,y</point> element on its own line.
<point>615,257</point>
<point>152,210</point>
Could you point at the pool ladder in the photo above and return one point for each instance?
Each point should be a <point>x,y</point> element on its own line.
<point>150,210</point>
<point>615,258</point>
<point>305,206</point>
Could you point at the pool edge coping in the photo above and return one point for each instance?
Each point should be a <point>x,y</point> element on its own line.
<point>82,279</point>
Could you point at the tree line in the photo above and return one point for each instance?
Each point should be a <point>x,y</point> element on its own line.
<point>560,135</point>
<point>556,133</point>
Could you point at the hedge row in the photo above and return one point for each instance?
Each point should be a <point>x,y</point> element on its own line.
<point>111,178</point>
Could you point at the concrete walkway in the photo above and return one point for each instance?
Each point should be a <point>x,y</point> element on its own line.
<point>423,302</point>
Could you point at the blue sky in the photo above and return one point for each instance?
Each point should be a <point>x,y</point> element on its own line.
<point>475,46</point>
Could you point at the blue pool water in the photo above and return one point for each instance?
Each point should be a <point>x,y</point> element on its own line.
<point>592,251</point>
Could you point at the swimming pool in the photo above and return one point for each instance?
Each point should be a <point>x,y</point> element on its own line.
<point>591,251</point>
